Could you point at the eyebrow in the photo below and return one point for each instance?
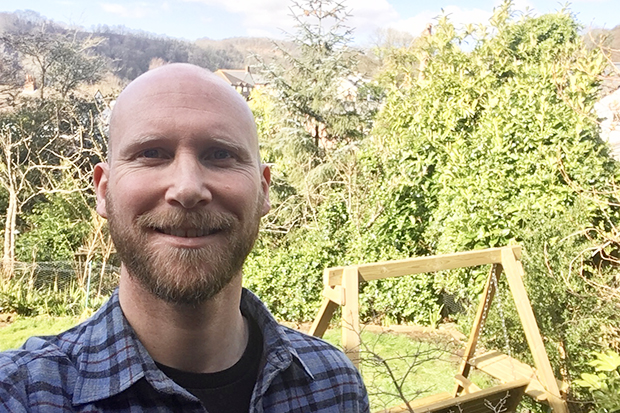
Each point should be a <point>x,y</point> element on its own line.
<point>228,144</point>
<point>145,140</point>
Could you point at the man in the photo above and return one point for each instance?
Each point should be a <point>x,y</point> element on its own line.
<point>183,191</point>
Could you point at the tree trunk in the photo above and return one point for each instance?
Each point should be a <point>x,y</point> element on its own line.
<point>42,88</point>
<point>8,258</point>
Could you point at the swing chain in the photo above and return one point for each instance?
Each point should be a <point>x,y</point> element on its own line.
<point>487,300</point>
<point>485,311</point>
<point>500,308</point>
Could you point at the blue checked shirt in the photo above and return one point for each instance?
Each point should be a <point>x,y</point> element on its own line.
<point>100,366</point>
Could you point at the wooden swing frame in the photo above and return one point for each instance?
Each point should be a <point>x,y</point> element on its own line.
<point>341,288</point>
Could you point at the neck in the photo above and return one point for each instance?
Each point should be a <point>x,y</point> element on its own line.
<point>203,338</point>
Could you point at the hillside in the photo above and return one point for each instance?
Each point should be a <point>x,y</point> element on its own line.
<point>608,38</point>
<point>131,52</point>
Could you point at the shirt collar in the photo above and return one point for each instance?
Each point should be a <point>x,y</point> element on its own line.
<point>112,359</point>
<point>277,347</point>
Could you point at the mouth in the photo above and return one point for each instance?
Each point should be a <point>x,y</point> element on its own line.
<point>187,232</point>
<point>186,225</point>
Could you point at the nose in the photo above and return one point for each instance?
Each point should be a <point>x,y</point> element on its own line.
<point>188,186</point>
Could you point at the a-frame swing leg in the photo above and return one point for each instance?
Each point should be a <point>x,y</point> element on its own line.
<point>514,274</point>
<point>351,339</point>
<point>483,309</point>
<point>347,296</point>
<point>321,322</point>
<point>333,297</point>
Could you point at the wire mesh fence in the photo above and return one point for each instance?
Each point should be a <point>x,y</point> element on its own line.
<point>57,287</point>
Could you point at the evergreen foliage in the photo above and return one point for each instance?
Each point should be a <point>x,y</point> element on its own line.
<point>604,383</point>
<point>314,115</point>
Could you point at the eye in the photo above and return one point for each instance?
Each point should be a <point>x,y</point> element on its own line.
<point>221,154</point>
<point>151,153</point>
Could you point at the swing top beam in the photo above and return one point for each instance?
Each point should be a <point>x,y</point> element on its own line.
<point>408,266</point>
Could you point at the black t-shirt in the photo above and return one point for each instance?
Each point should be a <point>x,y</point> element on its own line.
<point>227,391</point>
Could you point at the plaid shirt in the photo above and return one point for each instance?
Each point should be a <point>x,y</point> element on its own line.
<point>101,366</point>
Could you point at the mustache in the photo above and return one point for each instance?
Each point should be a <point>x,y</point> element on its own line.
<point>209,221</point>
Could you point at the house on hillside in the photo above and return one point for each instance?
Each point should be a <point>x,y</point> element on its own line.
<point>243,80</point>
<point>611,78</point>
<point>608,111</point>
<point>30,84</point>
<point>349,86</point>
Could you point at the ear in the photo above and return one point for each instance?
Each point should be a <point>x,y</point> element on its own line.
<point>101,187</point>
<point>265,181</point>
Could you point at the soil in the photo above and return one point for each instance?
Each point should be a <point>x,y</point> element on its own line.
<point>6,319</point>
<point>445,332</point>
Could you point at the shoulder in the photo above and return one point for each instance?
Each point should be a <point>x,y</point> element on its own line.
<point>302,373</point>
<point>39,366</point>
<point>326,363</point>
<point>44,351</point>
<point>44,369</point>
<point>331,381</point>
<point>319,355</point>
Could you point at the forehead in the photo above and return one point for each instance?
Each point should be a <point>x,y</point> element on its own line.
<point>181,104</point>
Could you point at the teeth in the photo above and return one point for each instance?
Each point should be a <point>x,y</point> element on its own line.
<point>189,233</point>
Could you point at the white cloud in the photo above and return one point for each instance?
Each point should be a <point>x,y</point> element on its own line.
<point>521,6</point>
<point>252,32</point>
<point>458,16</point>
<point>370,15</point>
<point>246,6</point>
<point>133,11</point>
<point>272,17</point>
<point>258,17</point>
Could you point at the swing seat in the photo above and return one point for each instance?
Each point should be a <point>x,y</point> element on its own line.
<point>507,369</point>
<point>504,398</point>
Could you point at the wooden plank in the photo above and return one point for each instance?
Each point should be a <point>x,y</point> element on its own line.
<point>321,322</point>
<point>503,367</point>
<point>514,274</point>
<point>399,268</point>
<point>335,294</point>
<point>483,309</point>
<point>506,395</point>
<point>402,408</point>
<point>469,403</point>
<point>467,385</point>
<point>327,274</point>
<point>350,315</point>
<point>506,369</point>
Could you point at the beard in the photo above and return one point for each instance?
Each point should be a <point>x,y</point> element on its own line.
<point>183,275</point>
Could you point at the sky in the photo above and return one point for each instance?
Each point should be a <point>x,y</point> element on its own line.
<point>219,19</point>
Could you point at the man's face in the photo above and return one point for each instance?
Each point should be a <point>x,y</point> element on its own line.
<point>184,190</point>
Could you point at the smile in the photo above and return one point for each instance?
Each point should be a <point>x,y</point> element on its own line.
<point>186,233</point>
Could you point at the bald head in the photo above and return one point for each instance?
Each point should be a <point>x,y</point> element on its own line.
<point>180,85</point>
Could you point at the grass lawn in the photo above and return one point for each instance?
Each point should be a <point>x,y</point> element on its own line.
<point>421,368</point>
<point>14,335</point>
<point>399,352</point>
